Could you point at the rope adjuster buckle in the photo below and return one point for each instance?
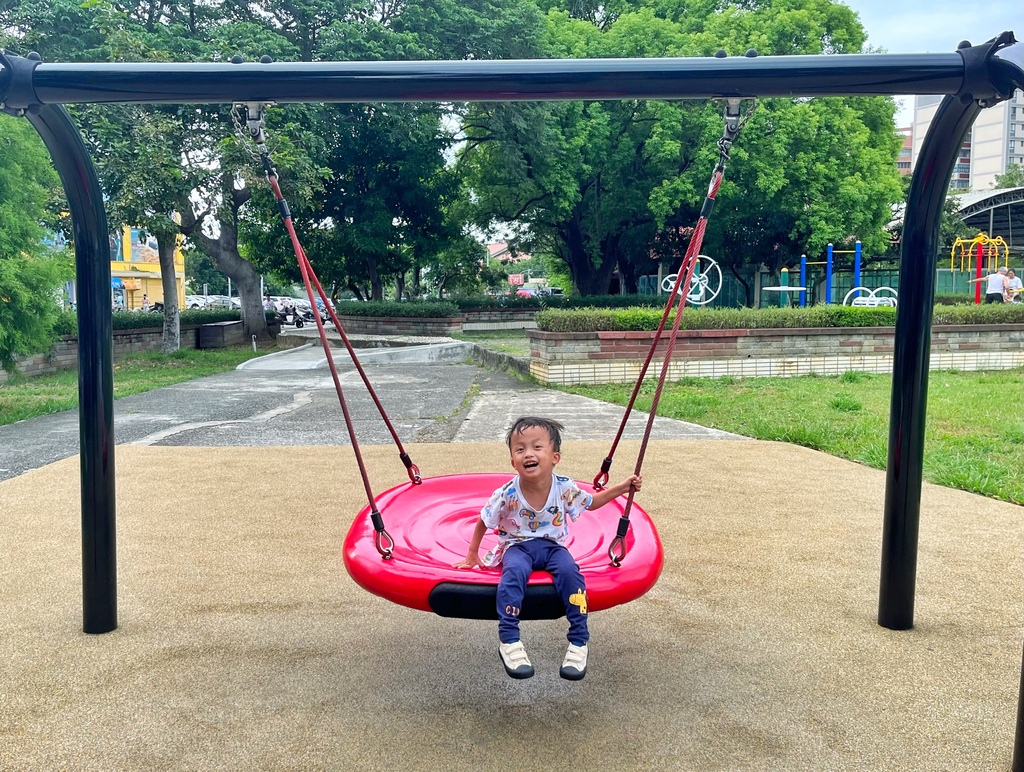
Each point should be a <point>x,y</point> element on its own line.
<point>601,480</point>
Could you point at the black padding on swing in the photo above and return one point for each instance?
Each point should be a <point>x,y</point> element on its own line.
<point>477,601</point>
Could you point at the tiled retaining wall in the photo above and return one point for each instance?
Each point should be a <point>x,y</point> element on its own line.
<point>616,357</point>
<point>64,355</point>
<point>400,325</point>
<point>494,319</point>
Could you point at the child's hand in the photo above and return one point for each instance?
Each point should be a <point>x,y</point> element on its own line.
<point>637,481</point>
<point>470,561</point>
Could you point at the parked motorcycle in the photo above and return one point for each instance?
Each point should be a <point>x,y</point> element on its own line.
<point>291,316</point>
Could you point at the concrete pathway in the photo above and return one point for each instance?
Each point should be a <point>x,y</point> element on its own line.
<point>431,394</point>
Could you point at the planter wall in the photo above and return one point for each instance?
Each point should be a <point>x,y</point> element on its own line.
<point>503,319</point>
<point>64,354</point>
<point>220,335</point>
<point>617,357</point>
<point>401,325</point>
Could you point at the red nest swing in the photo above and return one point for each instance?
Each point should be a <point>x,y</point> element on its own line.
<point>430,519</point>
<point>431,523</point>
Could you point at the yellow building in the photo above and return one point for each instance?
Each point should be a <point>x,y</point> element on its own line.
<point>135,270</point>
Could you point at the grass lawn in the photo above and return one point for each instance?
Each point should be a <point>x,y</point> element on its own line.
<point>30,397</point>
<point>974,438</point>
<point>512,342</point>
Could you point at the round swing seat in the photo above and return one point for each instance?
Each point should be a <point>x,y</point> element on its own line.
<point>432,523</point>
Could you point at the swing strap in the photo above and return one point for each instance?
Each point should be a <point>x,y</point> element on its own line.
<point>734,122</point>
<point>252,114</point>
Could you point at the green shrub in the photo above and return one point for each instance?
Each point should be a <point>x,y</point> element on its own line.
<point>433,309</point>
<point>497,303</point>
<point>559,301</point>
<point>614,301</point>
<point>67,322</point>
<point>193,317</point>
<point>952,299</point>
<point>592,320</point>
<point>989,313</point>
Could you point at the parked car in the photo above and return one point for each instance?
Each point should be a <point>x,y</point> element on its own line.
<point>218,301</point>
<point>195,301</point>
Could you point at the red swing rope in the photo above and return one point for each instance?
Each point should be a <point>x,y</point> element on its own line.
<point>254,131</point>
<point>684,277</point>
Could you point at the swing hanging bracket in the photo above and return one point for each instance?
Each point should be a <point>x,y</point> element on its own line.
<point>734,120</point>
<point>250,119</point>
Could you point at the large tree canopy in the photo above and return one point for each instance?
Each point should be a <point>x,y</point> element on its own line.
<point>597,187</point>
<point>601,185</point>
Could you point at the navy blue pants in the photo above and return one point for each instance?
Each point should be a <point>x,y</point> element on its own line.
<point>522,559</point>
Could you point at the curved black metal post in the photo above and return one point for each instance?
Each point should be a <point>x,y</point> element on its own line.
<point>918,261</point>
<point>95,363</point>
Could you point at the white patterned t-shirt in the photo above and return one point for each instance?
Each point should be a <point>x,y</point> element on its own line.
<point>515,520</point>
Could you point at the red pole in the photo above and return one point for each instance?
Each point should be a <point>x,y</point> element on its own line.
<point>977,274</point>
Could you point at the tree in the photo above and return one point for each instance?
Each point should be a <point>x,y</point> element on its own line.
<point>159,165</point>
<point>1012,178</point>
<point>31,274</point>
<point>602,185</point>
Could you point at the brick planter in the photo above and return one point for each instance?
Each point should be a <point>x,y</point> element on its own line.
<point>220,335</point>
<point>401,325</point>
<point>616,357</point>
<point>499,319</point>
<point>64,354</point>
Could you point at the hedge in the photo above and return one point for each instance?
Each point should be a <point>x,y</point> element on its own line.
<point>559,301</point>
<point>432,309</point>
<point>643,319</point>
<point>67,323</point>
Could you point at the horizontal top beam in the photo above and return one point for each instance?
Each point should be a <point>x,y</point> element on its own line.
<point>494,80</point>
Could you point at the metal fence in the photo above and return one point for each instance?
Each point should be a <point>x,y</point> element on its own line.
<point>734,295</point>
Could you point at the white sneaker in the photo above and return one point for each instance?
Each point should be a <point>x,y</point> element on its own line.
<point>513,657</point>
<point>574,666</point>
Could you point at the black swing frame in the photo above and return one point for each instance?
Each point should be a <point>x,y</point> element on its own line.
<point>970,79</point>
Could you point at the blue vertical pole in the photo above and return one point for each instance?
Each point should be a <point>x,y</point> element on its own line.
<point>803,280</point>
<point>828,275</point>
<point>856,265</point>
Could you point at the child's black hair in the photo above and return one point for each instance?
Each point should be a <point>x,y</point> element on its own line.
<point>554,430</point>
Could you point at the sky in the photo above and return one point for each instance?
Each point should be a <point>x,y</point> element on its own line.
<point>934,26</point>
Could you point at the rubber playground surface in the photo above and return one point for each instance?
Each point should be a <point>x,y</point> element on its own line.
<point>243,644</point>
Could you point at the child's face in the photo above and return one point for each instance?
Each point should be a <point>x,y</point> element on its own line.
<point>533,455</point>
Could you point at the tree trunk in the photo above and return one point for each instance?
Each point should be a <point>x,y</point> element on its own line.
<point>355,290</point>
<point>588,278</point>
<point>223,250</point>
<point>376,286</point>
<point>171,340</point>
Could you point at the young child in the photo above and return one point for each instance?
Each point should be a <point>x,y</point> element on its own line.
<point>531,514</point>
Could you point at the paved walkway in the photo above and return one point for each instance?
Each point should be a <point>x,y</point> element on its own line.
<point>430,391</point>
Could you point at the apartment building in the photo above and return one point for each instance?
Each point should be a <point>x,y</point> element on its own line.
<point>903,163</point>
<point>994,142</point>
